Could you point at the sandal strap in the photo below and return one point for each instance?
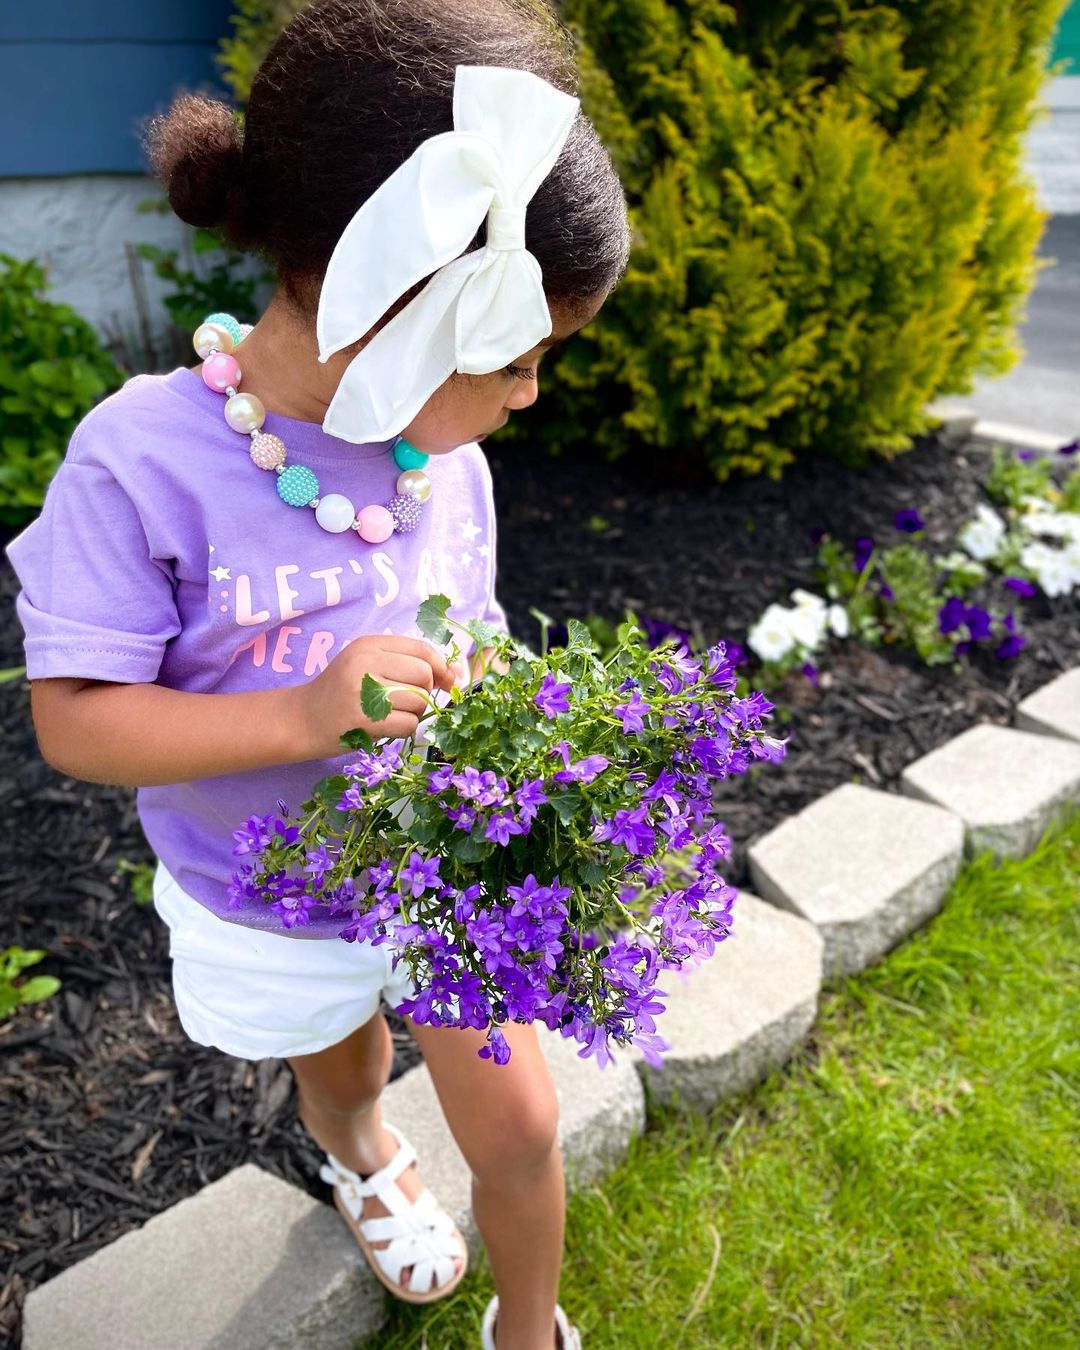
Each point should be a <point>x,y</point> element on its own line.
<point>380,1183</point>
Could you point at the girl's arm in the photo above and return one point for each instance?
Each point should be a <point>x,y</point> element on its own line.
<point>144,735</point>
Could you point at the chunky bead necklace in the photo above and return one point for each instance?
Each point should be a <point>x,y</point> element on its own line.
<point>215,340</point>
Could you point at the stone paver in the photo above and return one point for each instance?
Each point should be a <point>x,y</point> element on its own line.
<point>866,867</point>
<point>742,1012</point>
<point>1053,710</point>
<point>1005,785</point>
<point>252,1263</point>
<point>248,1262</point>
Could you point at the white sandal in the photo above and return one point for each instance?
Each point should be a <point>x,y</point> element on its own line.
<point>421,1233</point>
<point>569,1338</point>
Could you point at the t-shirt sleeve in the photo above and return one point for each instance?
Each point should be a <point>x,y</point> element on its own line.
<point>94,603</point>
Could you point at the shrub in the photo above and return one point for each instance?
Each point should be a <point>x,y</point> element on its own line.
<point>53,368</point>
<point>832,226</point>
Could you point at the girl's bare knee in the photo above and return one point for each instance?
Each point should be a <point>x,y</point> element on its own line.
<point>521,1143</point>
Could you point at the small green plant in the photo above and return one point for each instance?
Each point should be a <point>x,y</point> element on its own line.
<point>13,991</point>
<point>210,279</point>
<point>1013,478</point>
<point>53,369</point>
<point>140,880</point>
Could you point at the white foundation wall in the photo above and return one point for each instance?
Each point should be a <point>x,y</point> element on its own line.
<point>77,226</point>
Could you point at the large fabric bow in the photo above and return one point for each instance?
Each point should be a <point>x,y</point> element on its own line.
<point>478,311</point>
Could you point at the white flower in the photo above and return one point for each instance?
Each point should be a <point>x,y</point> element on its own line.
<point>809,619</point>
<point>982,536</point>
<point>1029,502</point>
<point>771,637</point>
<point>1056,570</point>
<point>1053,524</point>
<point>838,621</point>
<point>806,599</point>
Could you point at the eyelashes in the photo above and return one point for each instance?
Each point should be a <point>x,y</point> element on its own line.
<point>521,372</point>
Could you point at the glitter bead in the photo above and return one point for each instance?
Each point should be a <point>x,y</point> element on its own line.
<point>219,371</point>
<point>406,511</point>
<point>227,322</point>
<point>335,512</point>
<point>267,450</point>
<point>407,456</point>
<point>245,412</point>
<point>415,483</point>
<point>210,335</point>
<point>375,524</point>
<point>297,485</point>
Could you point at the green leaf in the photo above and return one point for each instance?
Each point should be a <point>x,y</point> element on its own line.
<point>483,634</point>
<point>579,635</point>
<point>355,739</point>
<point>566,804</point>
<point>468,849</point>
<point>374,699</point>
<point>41,987</point>
<point>329,789</point>
<point>431,619</point>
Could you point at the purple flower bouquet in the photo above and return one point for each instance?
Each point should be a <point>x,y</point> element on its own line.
<point>555,852</point>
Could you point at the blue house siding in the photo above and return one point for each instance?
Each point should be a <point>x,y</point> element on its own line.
<point>80,77</point>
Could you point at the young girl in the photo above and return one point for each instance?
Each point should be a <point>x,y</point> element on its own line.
<point>439,213</point>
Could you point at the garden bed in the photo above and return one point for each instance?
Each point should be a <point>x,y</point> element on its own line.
<point>109,1114</point>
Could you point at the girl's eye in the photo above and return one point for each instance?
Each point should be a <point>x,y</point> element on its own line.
<point>521,372</point>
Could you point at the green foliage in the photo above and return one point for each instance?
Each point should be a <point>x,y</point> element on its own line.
<point>213,279</point>
<point>53,368</point>
<point>140,880</point>
<point>255,25</point>
<point>14,991</point>
<point>910,574</point>
<point>831,223</point>
<point>1012,479</point>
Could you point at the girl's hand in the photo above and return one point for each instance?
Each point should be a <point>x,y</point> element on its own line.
<point>329,705</point>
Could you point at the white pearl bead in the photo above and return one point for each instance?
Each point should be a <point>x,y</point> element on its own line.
<point>210,335</point>
<point>416,483</point>
<point>335,512</point>
<point>245,412</point>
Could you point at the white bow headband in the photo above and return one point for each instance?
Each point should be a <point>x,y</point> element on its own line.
<point>478,311</point>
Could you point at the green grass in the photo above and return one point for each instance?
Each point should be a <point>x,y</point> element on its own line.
<point>910,1179</point>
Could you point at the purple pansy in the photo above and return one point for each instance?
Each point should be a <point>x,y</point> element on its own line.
<point>1021,586</point>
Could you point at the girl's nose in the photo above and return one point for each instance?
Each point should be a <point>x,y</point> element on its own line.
<point>523,395</point>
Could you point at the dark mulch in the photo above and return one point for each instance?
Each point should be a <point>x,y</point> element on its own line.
<point>109,1115</point>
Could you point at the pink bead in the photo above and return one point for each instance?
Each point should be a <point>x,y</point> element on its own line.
<point>375,524</point>
<point>220,370</point>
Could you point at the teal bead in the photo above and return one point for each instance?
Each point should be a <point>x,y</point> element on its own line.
<point>228,323</point>
<point>297,485</point>
<point>407,456</point>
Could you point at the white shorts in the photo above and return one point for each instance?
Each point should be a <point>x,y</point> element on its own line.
<point>257,995</point>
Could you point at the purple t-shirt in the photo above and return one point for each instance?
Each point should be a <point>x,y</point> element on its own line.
<point>162,554</point>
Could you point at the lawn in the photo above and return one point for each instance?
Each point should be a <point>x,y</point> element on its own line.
<point>909,1179</point>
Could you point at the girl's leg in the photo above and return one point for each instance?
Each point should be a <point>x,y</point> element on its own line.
<point>338,1090</point>
<point>505,1120</point>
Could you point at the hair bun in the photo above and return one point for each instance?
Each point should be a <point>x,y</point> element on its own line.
<point>196,152</point>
